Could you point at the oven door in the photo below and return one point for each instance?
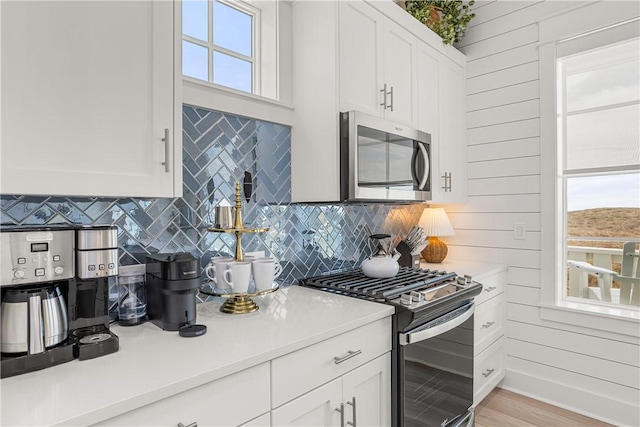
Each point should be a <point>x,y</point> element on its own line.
<point>435,372</point>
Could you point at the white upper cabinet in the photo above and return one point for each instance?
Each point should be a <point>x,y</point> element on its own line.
<point>88,99</point>
<point>441,103</point>
<point>375,58</point>
<point>450,178</point>
<point>377,65</point>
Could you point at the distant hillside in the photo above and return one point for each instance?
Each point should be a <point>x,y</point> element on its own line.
<point>604,222</point>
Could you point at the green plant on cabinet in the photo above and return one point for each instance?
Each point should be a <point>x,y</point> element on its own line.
<point>448,19</point>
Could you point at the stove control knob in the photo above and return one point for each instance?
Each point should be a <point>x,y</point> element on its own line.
<point>19,274</point>
<point>405,299</point>
<point>58,270</point>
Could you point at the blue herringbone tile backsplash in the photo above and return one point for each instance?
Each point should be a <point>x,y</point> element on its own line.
<point>217,149</point>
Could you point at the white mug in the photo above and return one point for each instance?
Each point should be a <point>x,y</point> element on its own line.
<point>215,270</point>
<point>238,275</point>
<point>265,270</point>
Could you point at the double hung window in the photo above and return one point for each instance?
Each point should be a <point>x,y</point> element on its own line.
<point>598,112</point>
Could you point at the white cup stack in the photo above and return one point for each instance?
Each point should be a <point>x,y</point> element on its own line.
<point>236,276</point>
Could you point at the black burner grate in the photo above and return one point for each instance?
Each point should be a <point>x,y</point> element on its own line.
<point>355,283</point>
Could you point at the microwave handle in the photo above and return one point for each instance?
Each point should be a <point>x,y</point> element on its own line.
<point>425,176</point>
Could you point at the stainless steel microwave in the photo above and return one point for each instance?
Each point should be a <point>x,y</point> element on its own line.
<point>383,161</point>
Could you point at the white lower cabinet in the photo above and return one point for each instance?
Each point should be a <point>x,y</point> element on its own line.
<point>229,401</point>
<point>362,397</point>
<point>489,335</point>
<point>343,379</point>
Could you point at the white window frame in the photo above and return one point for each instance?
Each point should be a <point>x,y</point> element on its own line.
<point>211,47</point>
<point>553,306</point>
<point>273,104</point>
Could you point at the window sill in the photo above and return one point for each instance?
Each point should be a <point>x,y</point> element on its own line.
<point>611,319</point>
<point>208,95</point>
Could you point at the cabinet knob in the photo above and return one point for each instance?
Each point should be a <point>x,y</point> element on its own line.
<point>447,182</point>
<point>491,289</point>
<point>487,372</point>
<point>349,355</point>
<point>352,402</point>
<point>488,324</point>
<point>384,96</point>
<point>167,149</point>
<point>194,424</point>
<point>341,411</point>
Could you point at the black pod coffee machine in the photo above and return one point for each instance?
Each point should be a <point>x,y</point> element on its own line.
<point>173,281</point>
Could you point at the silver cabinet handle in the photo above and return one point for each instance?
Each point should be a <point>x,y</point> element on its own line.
<point>447,181</point>
<point>166,151</point>
<point>488,324</point>
<point>491,289</point>
<point>384,96</point>
<point>487,372</point>
<point>391,95</point>
<point>341,410</point>
<point>188,425</point>
<point>353,408</point>
<point>347,356</point>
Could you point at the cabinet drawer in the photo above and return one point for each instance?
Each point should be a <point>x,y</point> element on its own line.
<point>488,324</point>
<point>298,372</point>
<point>229,401</point>
<point>488,370</point>
<point>492,286</point>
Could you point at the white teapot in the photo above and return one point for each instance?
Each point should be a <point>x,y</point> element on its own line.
<point>381,265</point>
<point>384,263</point>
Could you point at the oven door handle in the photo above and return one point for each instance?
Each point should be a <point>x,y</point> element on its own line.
<point>430,332</point>
<point>465,420</point>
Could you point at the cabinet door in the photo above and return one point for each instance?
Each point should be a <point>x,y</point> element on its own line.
<point>228,401</point>
<point>366,392</point>
<point>450,185</point>
<point>360,58</point>
<point>87,98</point>
<point>399,73</point>
<point>316,408</point>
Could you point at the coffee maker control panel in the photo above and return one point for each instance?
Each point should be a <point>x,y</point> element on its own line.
<point>98,263</point>
<point>36,255</point>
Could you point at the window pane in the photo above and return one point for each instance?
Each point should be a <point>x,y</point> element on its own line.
<point>231,72</point>
<point>195,61</point>
<point>603,76</point>
<point>232,29</point>
<point>604,138</point>
<point>604,191</point>
<point>195,20</point>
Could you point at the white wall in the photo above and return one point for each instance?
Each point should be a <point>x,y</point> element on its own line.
<point>589,371</point>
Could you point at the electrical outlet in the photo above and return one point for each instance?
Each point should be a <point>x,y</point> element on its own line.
<point>519,231</point>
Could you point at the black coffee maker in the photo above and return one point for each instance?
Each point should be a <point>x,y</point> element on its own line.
<point>173,281</point>
<point>55,295</point>
<point>96,273</point>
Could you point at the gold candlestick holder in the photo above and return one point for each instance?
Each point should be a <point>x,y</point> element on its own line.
<point>237,303</point>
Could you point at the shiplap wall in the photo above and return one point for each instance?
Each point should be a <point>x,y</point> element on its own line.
<point>593,372</point>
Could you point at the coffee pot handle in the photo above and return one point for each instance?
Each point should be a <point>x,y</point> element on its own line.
<point>36,337</point>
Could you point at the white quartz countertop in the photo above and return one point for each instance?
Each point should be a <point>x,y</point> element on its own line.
<point>153,364</point>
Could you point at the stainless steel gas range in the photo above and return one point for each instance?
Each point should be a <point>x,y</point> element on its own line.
<point>432,353</point>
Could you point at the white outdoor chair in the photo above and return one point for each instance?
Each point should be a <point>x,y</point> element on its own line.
<point>629,277</point>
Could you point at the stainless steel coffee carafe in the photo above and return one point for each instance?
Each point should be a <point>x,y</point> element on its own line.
<point>33,320</point>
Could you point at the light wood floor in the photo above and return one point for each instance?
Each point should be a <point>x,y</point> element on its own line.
<point>503,408</point>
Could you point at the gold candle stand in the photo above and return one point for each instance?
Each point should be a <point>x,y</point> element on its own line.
<point>239,302</point>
